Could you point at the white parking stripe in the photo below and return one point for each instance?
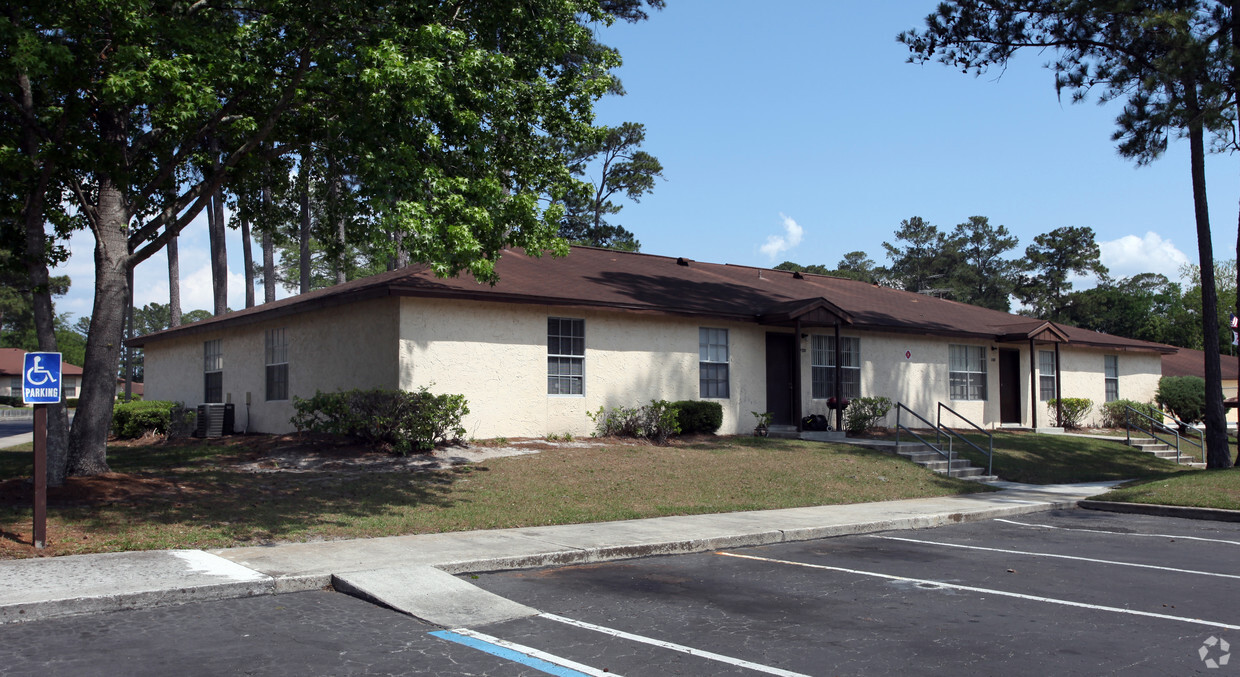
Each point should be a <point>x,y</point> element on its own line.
<point>988,591</point>
<point>1119,533</point>
<point>1047,554</point>
<point>674,647</point>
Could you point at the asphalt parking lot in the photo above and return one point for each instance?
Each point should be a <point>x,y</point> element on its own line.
<point>1072,592</point>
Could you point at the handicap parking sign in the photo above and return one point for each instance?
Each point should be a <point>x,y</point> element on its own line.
<point>41,378</point>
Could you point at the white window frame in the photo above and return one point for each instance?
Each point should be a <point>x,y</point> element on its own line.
<point>966,381</point>
<point>15,386</point>
<point>566,357</point>
<point>714,372</point>
<point>275,358</point>
<point>1046,375</point>
<point>1110,377</point>
<point>70,387</point>
<point>822,367</point>
<point>212,364</point>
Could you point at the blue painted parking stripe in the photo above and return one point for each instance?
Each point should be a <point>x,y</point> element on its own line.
<point>527,656</point>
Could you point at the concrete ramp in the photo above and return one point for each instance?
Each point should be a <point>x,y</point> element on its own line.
<point>431,595</point>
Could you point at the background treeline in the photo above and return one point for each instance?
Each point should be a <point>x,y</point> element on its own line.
<point>981,264</point>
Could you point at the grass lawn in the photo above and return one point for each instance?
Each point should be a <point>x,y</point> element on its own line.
<point>1198,489</point>
<point>195,494</point>
<point>1059,459</point>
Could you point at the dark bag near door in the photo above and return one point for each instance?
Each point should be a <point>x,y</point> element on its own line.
<point>815,422</point>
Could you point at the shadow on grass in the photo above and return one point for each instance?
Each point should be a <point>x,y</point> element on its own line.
<point>246,508</point>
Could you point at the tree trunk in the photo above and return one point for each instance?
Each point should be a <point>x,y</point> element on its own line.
<point>304,229</point>
<point>128,333</point>
<point>247,254</point>
<point>1218,454</point>
<point>41,294</point>
<point>269,251</point>
<point>219,250</point>
<point>219,254</point>
<point>45,329</point>
<point>89,436</point>
<point>174,284</point>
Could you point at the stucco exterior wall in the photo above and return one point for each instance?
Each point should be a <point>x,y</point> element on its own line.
<point>496,355</point>
<point>915,370</point>
<point>1084,376</point>
<point>339,348</point>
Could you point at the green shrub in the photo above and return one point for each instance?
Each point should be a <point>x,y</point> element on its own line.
<point>696,416</point>
<point>11,401</point>
<point>864,413</point>
<point>1115,414</point>
<point>71,402</point>
<point>656,421</point>
<point>1183,396</point>
<point>131,420</point>
<point>1075,409</point>
<point>407,421</point>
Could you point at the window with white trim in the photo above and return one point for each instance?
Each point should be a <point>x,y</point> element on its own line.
<point>1110,364</point>
<point>967,372</point>
<point>822,367</point>
<point>713,363</point>
<point>15,386</point>
<point>566,356</point>
<point>1046,375</point>
<point>275,352</point>
<point>213,371</point>
<point>70,387</point>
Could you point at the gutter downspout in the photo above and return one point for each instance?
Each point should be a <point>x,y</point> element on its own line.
<point>839,359</point>
<point>1033,385</point>
<point>796,377</point>
<point>1058,389</point>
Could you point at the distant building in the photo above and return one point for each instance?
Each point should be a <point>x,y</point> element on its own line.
<point>11,362</point>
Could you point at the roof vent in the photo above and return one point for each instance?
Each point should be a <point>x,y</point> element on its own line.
<point>682,261</point>
<point>796,275</point>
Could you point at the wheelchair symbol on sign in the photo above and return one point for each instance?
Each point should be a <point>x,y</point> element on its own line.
<point>44,376</point>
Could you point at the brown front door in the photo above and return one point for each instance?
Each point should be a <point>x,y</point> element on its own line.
<point>780,363</point>
<point>1009,386</point>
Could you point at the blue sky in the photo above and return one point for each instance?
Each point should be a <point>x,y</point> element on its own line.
<point>795,130</point>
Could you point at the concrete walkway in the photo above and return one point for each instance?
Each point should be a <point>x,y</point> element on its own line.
<point>414,574</point>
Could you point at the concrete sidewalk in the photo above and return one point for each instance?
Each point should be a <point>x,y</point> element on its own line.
<point>415,574</point>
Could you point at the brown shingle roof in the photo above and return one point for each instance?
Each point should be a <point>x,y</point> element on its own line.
<point>1193,363</point>
<point>590,277</point>
<point>11,363</point>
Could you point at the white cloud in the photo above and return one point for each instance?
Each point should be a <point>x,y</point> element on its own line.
<point>777,244</point>
<point>1131,255</point>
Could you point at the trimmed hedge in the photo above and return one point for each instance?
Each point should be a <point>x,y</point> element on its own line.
<point>1115,414</point>
<point>11,401</point>
<point>656,421</point>
<point>131,420</point>
<point>407,421</point>
<point>865,413</point>
<point>1075,409</point>
<point>697,416</point>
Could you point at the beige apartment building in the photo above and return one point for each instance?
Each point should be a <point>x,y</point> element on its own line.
<point>558,338</point>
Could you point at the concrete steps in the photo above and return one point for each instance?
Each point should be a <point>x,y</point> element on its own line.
<point>960,468</point>
<point>1152,446</point>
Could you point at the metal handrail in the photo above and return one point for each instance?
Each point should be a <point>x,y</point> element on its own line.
<point>1181,425</point>
<point>990,453</point>
<point>935,445</point>
<point>1158,425</point>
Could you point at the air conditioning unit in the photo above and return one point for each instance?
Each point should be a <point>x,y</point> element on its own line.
<point>215,420</point>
